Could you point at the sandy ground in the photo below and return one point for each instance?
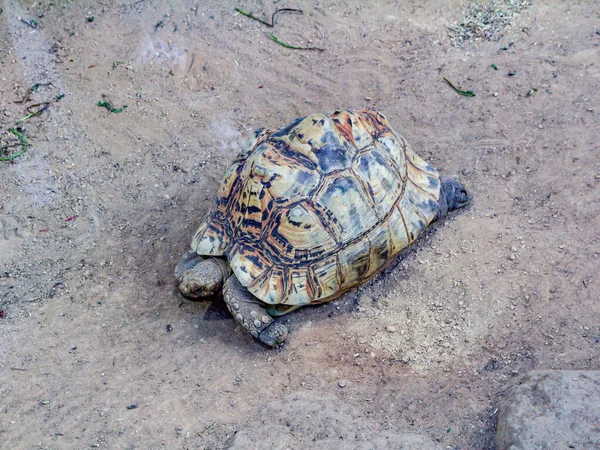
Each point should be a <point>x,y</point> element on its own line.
<point>98,350</point>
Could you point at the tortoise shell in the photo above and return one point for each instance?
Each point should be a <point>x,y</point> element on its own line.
<point>311,210</point>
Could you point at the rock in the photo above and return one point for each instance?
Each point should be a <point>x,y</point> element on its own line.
<point>303,420</point>
<point>551,409</point>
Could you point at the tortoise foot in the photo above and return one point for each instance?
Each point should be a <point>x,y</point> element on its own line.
<point>275,335</point>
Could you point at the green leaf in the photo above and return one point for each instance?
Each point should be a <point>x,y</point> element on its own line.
<point>465,93</point>
<point>23,146</point>
<point>293,47</point>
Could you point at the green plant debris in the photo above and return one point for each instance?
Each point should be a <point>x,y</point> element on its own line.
<point>293,47</point>
<point>247,14</point>
<point>33,88</point>
<point>32,23</point>
<point>493,66</point>
<point>486,21</point>
<point>272,24</point>
<point>159,24</point>
<point>41,107</point>
<point>60,97</point>
<point>531,92</point>
<point>23,144</point>
<point>114,66</point>
<point>90,18</point>
<point>465,93</point>
<point>111,109</point>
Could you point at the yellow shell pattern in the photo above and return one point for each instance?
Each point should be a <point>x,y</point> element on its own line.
<point>319,206</point>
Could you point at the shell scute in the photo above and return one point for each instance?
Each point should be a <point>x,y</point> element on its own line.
<point>318,138</point>
<point>303,232</point>
<point>428,182</point>
<point>286,180</point>
<point>414,221</point>
<point>381,248</point>
<point>397,228</point>
<point>421,201</point>
<point>344,198</point>
<point>326,277</point>
<point>252,264</point>
<point>381,180</point>
<point>251,213</point>
<point>300,284</point>
<point>354,263</point>
<point>393,148</point>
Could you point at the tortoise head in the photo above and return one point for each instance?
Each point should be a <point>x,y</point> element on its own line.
<point>205,279</point>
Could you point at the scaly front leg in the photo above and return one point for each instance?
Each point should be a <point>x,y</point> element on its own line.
<point>250,312</point>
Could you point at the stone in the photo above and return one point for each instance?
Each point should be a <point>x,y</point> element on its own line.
<point>551,409</point>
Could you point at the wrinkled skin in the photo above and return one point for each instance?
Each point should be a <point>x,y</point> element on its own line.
<point>201,277</point>
<point>453,195</point>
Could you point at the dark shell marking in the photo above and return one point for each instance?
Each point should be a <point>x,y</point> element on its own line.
<point>311,210</point>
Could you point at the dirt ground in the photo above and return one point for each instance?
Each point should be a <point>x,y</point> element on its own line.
<point>98,350</point>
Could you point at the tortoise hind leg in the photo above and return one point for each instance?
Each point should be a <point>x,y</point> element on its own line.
<point>453,195</point>
<point>252,315</point>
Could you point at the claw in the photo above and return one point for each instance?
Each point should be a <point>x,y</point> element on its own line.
<point>275,335</point>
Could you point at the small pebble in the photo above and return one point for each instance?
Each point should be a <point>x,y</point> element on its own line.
<point>391,328</point>
<point>342,383</point>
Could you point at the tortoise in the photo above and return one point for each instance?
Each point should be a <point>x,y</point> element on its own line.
<point>308,212</point>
